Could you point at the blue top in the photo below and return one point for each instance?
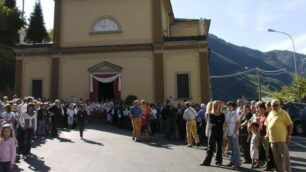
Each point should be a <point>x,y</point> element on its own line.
<point>136,111</point>
<point>200,116</point>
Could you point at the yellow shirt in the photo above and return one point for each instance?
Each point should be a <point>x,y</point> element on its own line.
<point>277,123</point>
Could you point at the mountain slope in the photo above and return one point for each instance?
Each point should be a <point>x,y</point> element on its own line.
<point>227,58</point>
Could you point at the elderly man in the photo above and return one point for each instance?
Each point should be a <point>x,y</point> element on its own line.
<point>190,115</point>
<point>135,117</point>
<point>279,130</point>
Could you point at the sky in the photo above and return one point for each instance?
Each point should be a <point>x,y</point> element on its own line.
<point>241,22</point>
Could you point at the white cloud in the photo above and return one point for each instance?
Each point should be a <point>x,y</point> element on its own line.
<point>299,42</point>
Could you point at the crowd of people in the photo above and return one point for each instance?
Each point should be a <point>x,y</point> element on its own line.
<point>259,131</point>
<point>22,120</point>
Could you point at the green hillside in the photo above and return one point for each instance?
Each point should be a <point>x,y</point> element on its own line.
<point>227,58</point>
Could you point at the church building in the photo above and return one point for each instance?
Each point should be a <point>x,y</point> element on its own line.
<point>115,48</point>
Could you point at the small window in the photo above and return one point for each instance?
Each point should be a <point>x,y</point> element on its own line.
<point>37,88</point>
<point>182,85</point>
<point>105,25</point>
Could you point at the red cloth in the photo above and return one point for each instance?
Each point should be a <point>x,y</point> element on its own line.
<point>94,95</point>
<point>144,120</point>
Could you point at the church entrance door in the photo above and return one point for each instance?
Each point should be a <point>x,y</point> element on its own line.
<point>106,91</point>
<point>105,81</point>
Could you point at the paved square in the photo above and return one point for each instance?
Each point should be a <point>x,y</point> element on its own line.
<point>108,149</point>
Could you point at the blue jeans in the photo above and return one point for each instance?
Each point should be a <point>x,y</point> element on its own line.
<point>234,145</point>
<point>27,141</point>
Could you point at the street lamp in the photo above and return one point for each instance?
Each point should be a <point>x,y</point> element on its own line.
<point>295,68</point>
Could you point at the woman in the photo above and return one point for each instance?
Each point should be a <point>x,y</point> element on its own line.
<point>232,123</point>
<point>8,116</point>
<point>145,120</point>
<point>70,113</point>
<point>215,121</point>
<point>153,119</point>
<point>28,122</point>
<point>244,136</point>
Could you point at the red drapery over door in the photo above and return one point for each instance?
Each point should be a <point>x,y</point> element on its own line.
<point>94,95</point>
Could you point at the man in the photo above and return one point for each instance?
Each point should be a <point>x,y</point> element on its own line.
<point>170,114</point>
<point>56,113</point>
<point>279,130</point>
<point>201,122</point>
<point>135,117</point>
<point>190,115</point>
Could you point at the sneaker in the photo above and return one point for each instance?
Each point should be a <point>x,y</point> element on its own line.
<point>190,146</point>
<point>229,165</point>
<point>235,167</point>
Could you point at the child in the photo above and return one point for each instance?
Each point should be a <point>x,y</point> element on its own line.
<point>7,149</point>
<point>254,128</point>
<point>81,115</point>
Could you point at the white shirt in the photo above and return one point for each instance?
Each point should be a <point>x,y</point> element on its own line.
<point>231,119</point>
<point>24,107</point>
<point>70,112</point>
<point>190,114</point>
<point>154,113</point>
<point>26,119</point>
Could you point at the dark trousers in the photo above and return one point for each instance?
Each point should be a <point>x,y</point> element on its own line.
<point>213,140</point>
<point>81,127</point>
<point>153,126</point>
<point>54,129</point>
<point>171,128</point>
<point>270,159</point>
<point>246,147</point>
<point>20,133</point>
<point>5,166</point>
<point>201,131</point>
<point>27,141</point>
<point>182,128</point>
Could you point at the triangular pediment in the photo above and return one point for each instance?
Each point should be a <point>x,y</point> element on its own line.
<point>105,67</point>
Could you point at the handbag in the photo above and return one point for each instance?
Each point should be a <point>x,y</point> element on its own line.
<point>207,129</point>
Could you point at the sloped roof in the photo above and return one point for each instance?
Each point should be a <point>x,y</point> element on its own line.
<point>105,66</point>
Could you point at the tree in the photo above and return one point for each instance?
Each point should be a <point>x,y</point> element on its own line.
<point>7,67</point>
<point>37,32</point>
<point>10,23</point>
<point>289,93</point>
<point>10,3</point>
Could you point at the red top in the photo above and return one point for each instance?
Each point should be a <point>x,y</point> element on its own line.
<point>262,127</point>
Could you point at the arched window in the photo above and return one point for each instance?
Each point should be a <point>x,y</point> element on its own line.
<point>106,24</point>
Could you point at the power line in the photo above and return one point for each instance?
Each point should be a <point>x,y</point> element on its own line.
<point>266,72</point>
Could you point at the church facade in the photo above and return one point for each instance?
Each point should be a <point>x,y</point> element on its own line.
<point>105,49</point>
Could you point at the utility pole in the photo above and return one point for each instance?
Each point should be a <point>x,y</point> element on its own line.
<point>258,83</point>
<point>22,9</point>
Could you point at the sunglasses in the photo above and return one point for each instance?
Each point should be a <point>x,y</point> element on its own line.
<point>274,105</point>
